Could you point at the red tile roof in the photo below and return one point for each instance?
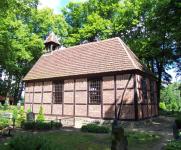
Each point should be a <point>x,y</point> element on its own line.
<point>109,55</point>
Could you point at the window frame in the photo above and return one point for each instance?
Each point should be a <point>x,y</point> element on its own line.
<point>58,99</point>
<point>144,88</point>
<point>98,91</point>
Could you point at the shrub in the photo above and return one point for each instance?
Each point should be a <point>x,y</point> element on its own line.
<point>29,110</point>
<point>15,113</point>
<point>173,145</point>
<point>162,106</point>
<point>41,125</point>
<point>40,116</point>
<point>4,123</point>
<point>28,125</point>
<point>30,142</point>
<point>94,128</point>
<point>56,125</point>
<point>21,116</point>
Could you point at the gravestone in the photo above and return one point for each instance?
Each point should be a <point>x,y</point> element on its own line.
<point>30,116</point>
<point>19,104</point>
<point>7,115</point>
<point>176,130</point>
<point>119,141</point>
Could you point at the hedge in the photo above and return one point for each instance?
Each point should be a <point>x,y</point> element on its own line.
<point>94,128</point>
<point>41,125</point>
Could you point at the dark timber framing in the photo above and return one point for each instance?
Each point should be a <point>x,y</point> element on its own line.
<point>33,95</point>
<point>146,106</point>
<point>115,98</point>
<point>42,91</point>
<point>101,97</point>
<point>135,99</point>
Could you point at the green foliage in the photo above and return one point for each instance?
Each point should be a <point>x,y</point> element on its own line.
<point>151,29</point>
<point>94,128</point>
<point>29,110</point>
<point>173,145</point>
<point>30,142</point>
<point>41,125</point>
<point>4,122</point>
<point>162,106</point>
<point>40,116</point>
<point>56,125</point>
<point>28,125</point>
<point>15,113</point>
<point>6,104</point>
<point>23,31</point>
<point>170,97</point>
<point>36,126</point>
<point>141,136</point>
<point>21,116</point>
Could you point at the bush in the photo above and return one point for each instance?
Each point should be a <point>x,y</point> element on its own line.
<point>21,116</point>
<point>162,106</point>
<point>94,128</point>
<point>30,142</point>
<point>36,125</point>
<point>173,145</point>
<point>56,125</point>
<point>4,123</point>
<point>28,125</point>
<point>40,116</point>
<point>41,125</point>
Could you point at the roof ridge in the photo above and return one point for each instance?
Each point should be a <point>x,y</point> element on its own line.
<point>94,42</point>
<point>106,56</point>
<point>129,56</point>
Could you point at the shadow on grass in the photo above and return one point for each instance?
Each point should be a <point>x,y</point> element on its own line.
<point>63,140</point>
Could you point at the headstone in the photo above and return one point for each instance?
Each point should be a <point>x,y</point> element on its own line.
<point>119,141</point>
<point>7,115</point>
<point>30,116</point>
<point>175,131</point>
<point>19,104</point>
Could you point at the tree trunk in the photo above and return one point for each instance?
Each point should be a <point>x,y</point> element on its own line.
<point>160,71</point>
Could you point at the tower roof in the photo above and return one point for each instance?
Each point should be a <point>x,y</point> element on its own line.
<point>52,38</point>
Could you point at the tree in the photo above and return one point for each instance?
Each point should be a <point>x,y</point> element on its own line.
<point>23,29</point>
<point>171,97</point>
<point>40,116</point>
<point>150,28</point>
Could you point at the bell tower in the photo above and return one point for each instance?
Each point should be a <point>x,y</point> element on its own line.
<point>51,42</point>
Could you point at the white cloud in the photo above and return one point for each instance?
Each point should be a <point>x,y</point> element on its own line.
<point>54,4</point>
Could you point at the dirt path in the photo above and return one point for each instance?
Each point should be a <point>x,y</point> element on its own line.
<point>160,125</point>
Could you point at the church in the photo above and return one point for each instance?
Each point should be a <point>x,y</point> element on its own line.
<point>89,82</point>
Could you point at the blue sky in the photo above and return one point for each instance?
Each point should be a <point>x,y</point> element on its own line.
<point>56,5</point>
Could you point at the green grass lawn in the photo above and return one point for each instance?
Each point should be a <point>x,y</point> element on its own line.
<point>75,140</point>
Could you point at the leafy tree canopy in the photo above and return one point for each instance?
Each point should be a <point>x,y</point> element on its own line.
<point>151,28</point>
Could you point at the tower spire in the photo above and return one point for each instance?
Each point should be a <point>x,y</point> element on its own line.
<point>51,42</point>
